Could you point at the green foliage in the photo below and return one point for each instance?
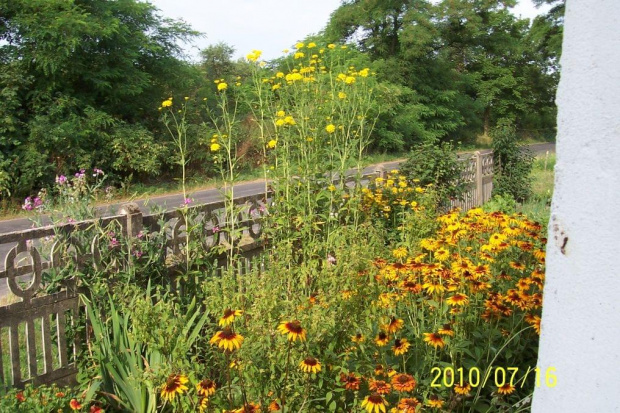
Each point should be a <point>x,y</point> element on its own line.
<point>40,399</point>
<point>503,203</point>
<point>437,164</point>
<point>133,351</point>
<point>469,63</point>
<point>80,82</point>
<point>512,164</point>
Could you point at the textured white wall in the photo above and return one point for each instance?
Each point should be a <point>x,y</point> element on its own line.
<point>581,310</point>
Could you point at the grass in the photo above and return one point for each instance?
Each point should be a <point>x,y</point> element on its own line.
<point>538,206</point>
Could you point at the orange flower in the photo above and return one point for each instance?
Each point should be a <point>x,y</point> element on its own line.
<point>351,381</point>
<point>379,386</point>
<point>403,382</point>
<point>408,405</point>
<point>75,405</point>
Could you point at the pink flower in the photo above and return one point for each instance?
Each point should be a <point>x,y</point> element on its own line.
<point>27,206</point>
<point>61,180</point>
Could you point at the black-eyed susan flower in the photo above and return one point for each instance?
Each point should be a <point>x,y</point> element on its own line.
<point>379,370</point>
<point>393,326</point>
<point>206,387</point>
<point>401,346</point>
<point>534,321</point>
<point>293,330</point>
<point>524,284</point>
<point>463,389</point>
<point>411,286</point>
<point>227,339</point>
<point>173,386</point>
<point>375,403</point>
<point>408,405</point>
<point>203,404</point>
<point>400,253</point>
<point>434,339</point>
<point>382,339</point>
<point>433,287</point>
<point>446,330</point>
<point>350,381</point>
<point>310,365</point>
<point>441,254</point>
<point>379,386</point>
<point>229,316</point>
<point>435,402</point>
<point>507,388</point>
<point>458,299</point>
<point>403,382</point>
<point>358,338</point>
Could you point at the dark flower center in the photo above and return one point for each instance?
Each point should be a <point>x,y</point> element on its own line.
<point>310,361</point>
<point>294,327</point>
<point>375,398</point>
<point>227,334</point>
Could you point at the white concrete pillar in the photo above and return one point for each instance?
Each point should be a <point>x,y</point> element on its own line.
<point>581,308</point>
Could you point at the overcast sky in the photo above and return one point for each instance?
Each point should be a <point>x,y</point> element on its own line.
<point>267,25</point>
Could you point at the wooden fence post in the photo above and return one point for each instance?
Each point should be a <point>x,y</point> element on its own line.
<point>380,171</point>
<point>479,189</point>
<point>134,218</point>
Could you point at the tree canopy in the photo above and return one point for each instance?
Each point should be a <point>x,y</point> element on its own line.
<point>81,81</point>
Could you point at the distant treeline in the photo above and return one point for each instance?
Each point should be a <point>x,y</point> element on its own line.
<point>81,81</point>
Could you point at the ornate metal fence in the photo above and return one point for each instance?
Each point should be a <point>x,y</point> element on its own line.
<point>39,331</point>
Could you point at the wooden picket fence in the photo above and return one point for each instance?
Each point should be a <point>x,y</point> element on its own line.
<point>41,334</point>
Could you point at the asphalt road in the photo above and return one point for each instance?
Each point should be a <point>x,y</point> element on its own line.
<point>199,197</point>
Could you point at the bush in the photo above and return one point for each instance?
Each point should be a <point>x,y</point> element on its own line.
<point>439,165</point>
<point>512,163</point>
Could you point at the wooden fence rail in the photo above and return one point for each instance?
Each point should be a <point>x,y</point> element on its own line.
<point>39,338</point>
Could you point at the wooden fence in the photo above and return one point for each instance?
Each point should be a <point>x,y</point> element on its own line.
<point>39,332</point>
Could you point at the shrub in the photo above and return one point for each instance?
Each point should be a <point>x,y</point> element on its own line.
<point>512,163</point>
<point>437,164</point>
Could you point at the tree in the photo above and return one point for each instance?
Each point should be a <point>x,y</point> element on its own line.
<point>78,75</point>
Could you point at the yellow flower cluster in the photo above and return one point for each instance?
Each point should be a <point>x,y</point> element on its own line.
<point>385,196</point>
<point>221,84</point>
<point>215,146</point>
<point>282,119</point>
<point>254,56</point>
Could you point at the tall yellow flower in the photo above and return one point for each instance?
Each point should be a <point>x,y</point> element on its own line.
<point>330,128</point>
<point>222,86</point>
<point>166,103</point>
